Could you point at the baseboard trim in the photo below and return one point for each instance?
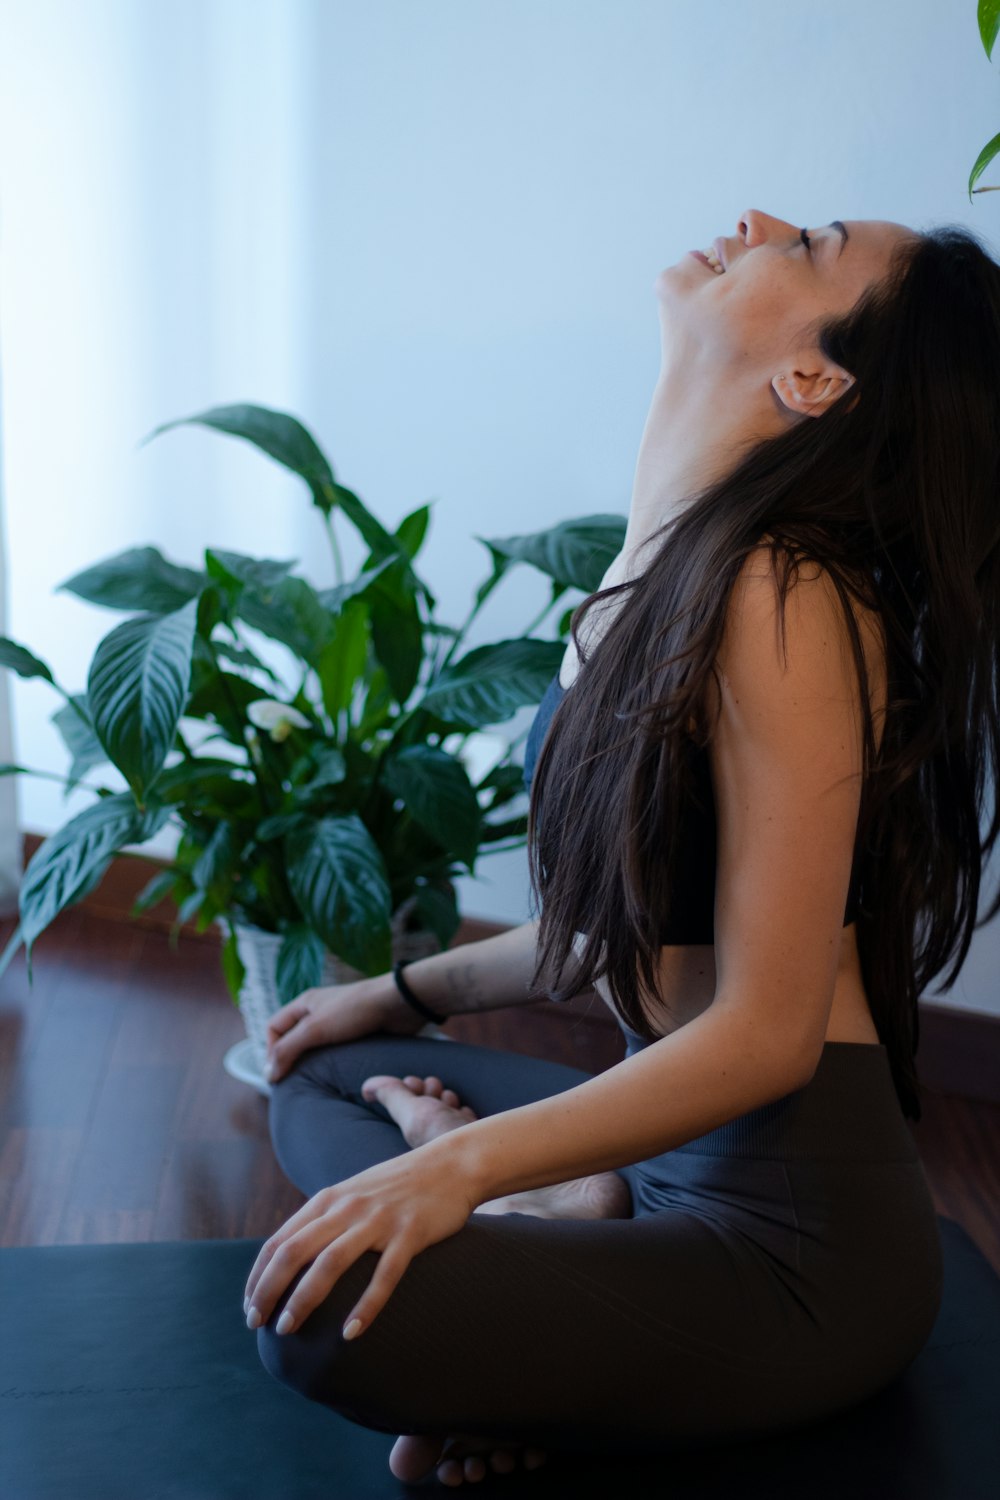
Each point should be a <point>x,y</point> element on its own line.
<point>959,1050</point>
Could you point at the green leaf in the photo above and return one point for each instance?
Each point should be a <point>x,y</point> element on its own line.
<point>438,913</point>
<point>300,962</point>
<point>491,683</point>
<point>412,529</point>
<point>22,661</point>
<point>72,861</point>
<point>342,660</point>
<point>232,966</point>
<point>207,785</point>
<point>381,542</point>
<point>983,160</point>
<point>339,881</point>
<point>335,598</point>
<point>330,769</point>
<point>291,613</point>
<point>565,619</point>
<point>73,723</point>
<point>438,794</point>
<point>140,578</point>
<point>137,689</point>
<point>217,859</point>
<point>279,824</point>
<point>576,553</point>
<point>989,22</point>
<point>276,433</point>
<point>155,891</point>
<point>236,570</point>
<point>242,656</point>
<point>397,632</point>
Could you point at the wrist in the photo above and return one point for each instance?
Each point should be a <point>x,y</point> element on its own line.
<point>394,1010</point>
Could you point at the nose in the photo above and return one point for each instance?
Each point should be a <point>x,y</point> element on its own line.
<point>755,227</point>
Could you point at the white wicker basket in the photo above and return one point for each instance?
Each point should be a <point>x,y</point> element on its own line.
<point>259,999</point>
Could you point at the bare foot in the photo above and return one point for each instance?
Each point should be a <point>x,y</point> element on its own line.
<point>424,1109</point>
<point>457,1458</point>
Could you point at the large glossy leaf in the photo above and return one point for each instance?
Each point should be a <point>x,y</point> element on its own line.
<point>397,632</point>
<point>276,433</point>
<point>339,881</point>
<point>491,683</point>
<point>291,613</point>
<point>237,570</point>
<point>342,661</point>
<point>335,598</point>
<point>22,661</point>
<point>577,552</point>
<point>72,861</point>
<point>988,16</point>
<point>140,578</point>
<point>137,689</point>
<point>73,723</point>
<point>412,529</point>
<point>300,962</point>
<point>437,792</point>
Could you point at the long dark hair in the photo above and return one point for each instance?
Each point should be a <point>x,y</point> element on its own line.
<point>895,492</point>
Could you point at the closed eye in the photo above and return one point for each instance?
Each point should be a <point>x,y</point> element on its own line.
<point>803,236</point>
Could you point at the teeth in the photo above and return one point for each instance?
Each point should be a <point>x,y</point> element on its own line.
<point>714,262</point>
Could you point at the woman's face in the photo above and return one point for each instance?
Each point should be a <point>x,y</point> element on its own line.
<point>750,318</point>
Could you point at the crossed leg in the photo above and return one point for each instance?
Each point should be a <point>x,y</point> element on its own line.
<point>424,1109</point>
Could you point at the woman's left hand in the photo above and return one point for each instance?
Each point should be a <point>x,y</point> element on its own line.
<point>397,1207</point>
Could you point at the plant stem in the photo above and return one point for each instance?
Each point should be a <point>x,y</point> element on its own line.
<point>338,564</point>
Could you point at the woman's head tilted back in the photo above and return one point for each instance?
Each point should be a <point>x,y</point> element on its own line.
<point>859,380</point>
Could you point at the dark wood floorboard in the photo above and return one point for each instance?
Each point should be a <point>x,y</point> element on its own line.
<point>119,1122</point>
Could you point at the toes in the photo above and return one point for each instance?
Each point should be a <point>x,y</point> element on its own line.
<point>503,1461</point>
<point>371,1085</point>
<point>448,1096</point>
<point>413,1456</point>
<point>450,1472</point>
<point>433,1086</point>
<point>413,1082</point>
<point>534,1457</point>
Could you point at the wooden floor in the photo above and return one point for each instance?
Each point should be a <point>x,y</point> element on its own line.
<point>120,1124</point>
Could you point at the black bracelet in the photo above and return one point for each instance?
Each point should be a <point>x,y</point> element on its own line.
<point>409,996</point>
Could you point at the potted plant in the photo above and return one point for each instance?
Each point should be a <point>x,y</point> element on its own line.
<point>322,811</point>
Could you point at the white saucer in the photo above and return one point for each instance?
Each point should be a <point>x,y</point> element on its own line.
<point>240,1060</point>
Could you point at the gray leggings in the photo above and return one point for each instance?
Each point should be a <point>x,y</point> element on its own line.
<point>774,1271</point>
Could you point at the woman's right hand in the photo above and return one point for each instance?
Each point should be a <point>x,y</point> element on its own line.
<point>333,1013</point>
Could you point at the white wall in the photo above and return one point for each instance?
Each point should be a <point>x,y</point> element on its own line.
<point>430,230</point>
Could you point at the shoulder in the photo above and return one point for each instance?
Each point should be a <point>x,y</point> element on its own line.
<point>786,641</point>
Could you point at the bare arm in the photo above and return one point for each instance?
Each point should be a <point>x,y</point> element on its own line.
<point>488,975</point>
<point>712,1069</point>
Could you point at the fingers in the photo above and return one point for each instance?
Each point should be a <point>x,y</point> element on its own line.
<point>388,1274</point>
<point>271,1248</point>
<point>325,1271</point>
<point>294,1017</point>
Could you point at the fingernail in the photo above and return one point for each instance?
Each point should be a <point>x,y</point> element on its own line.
<point>285,1322</point>
<point>353,1329</point>
<point>246,1305</point>
<point>269,1070</point>
<point>253,1318</point>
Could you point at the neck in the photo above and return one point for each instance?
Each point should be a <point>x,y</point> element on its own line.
<point>691,438</point>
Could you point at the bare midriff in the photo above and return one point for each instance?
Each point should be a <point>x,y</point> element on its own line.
<point>687,971</point>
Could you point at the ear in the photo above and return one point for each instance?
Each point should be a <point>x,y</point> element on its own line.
<point>811,395</point>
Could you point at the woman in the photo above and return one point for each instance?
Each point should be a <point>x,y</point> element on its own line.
<point>761,767</point>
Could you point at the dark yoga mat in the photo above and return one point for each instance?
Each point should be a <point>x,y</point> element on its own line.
<point>127,1372</point>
